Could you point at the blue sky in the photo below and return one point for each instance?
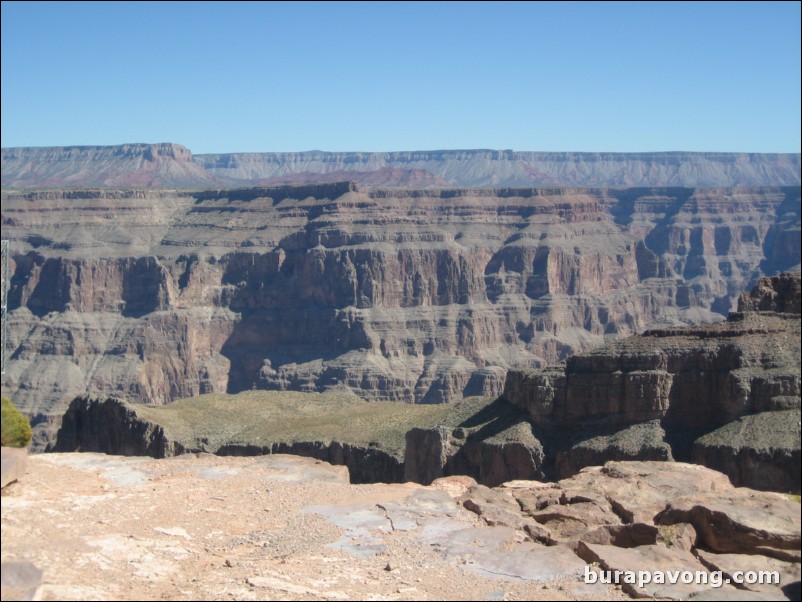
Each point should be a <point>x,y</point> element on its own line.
<point>403,76</point>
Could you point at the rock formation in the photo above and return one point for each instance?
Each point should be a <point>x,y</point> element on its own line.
<point>172,165</point>
<point>408,295</point>
<point>726,396</point>
<point>278,527</point>
<point>493,169</point>
<point>112,427</point>
<point>649,396</point>
<point>164,165</point>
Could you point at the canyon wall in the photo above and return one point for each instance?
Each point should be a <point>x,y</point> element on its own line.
<point>419,296</point>
<point>173,165</point>
<point>725,395</point>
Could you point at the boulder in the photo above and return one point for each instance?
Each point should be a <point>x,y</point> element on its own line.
<point>570,522</point>
<point>740,521</point>
<point>728,564</point>
<point>637,491</point>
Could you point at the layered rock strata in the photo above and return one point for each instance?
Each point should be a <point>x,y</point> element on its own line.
<point>173,165</point>
<point>735,386</point>
<point>416,296</point>
<point>631,516</point>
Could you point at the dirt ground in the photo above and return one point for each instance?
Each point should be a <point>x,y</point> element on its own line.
<point>263,528</point>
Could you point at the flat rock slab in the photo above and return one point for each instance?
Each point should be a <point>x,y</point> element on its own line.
<point>362,522</point>
<point>295,468</point>
<point>729,593</point>
<point>14,460</point>
<point>470,542</point>
<point>741,521</point>
<point>675,566</point>
<point>20,580</point>
<point>638,491</point>
<point>528,561</point>
<point>728,564</point>
<point>119,471</point>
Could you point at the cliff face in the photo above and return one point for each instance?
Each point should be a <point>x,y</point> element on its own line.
<point>736,383</point>
<point>687,377</point>
<point>416,296</point>
<point>725,395</point>
<point>172,165</point>
<point>110,427</point>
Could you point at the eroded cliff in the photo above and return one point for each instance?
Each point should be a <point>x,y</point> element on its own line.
<point>416,296</point>
<point>725,395</point>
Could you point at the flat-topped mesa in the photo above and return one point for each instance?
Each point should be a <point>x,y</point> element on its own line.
<point>114,165</point>
<point>84,153</point>
<point>162,165</point>
<point>501,168</point>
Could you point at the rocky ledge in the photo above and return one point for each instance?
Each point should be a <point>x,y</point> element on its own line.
<point>282,527</point>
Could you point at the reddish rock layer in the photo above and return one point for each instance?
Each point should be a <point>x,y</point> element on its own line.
<point>417,296</point>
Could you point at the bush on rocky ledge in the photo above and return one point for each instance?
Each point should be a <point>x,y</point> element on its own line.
<point>16,430</point>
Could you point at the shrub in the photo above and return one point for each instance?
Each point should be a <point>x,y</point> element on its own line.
<point>16,430</point>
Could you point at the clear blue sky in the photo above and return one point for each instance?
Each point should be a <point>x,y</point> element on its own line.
<point>403,76</point>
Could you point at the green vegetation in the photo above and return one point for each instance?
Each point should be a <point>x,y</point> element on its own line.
<point>266,417</point>
<point>16,430</point>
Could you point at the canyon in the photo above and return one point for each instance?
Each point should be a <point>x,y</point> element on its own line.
<point>725,395</point>
<point>527,364</point>
<point>417,296</point>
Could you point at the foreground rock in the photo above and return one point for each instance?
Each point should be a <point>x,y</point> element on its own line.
<point>273,527</point>
<point>740,521</point>
<point>197,525</point>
